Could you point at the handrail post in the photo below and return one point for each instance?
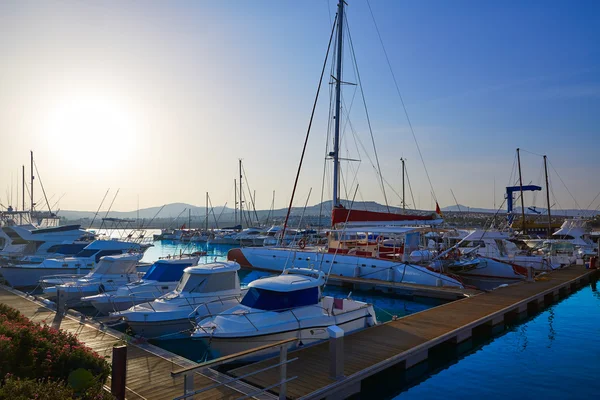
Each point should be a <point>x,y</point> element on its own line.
<point>119,372</point>
<point>283,372</point>
<point>336,351</point>
<point>188,383</point>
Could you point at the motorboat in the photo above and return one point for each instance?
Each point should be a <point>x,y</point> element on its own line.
<point>84,261</point>
<point>107,276</point>
<point>287,306</point>
<point>203,290</point>
<point>162,277</point>
<point>496,245</point>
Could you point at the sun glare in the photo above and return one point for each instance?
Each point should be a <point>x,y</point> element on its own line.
<point>95,128</point>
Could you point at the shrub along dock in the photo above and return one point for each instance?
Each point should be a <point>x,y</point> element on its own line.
<point>148,373</point>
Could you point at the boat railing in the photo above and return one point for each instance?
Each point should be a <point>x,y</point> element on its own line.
<point>58,279</point>
<point>189,373</point>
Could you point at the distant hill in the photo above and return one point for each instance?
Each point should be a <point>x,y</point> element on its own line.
<point>541,211</point>
<point>172,210</point>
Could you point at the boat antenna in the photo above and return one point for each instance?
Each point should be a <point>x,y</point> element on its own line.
<point>312,115</point>
<point>42,186</point>
<point>521,189</point>
<point>98,210</point>
<point>548,196</point>
<point>32,178</point>
<point>155,215</point>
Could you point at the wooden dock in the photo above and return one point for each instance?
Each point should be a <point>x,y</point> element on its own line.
<point>406,342</point>
<point>148,367</point>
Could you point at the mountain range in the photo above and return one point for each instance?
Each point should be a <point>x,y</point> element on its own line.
<point>182,210</point>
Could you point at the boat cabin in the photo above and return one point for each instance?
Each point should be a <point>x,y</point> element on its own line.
<point>283,292</point>
<point>209,278</point>
<point>121,264</point>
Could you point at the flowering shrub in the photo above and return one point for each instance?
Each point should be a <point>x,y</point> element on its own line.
<point>32,351</point>
<point>25,389</point>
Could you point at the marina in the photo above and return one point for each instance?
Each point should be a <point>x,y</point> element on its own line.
<point>403,343</point>
<point>435,237</point>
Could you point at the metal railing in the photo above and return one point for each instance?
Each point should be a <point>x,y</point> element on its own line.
<point>188,373</point>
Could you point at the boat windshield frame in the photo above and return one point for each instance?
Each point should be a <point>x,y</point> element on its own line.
<point>273,300</point>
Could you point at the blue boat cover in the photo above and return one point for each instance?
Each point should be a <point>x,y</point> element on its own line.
<point>164,271</point>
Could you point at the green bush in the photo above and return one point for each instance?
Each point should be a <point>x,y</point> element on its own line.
<point>33,352</point>
<point>26,389</point>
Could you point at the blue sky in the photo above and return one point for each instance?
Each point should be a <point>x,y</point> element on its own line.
<point>162,98</point>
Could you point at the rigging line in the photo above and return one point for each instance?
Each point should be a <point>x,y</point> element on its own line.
<point>563,182</point>
<point>42,185</point>
<point>592,202</point>
<point>312,114</point>
<point>531,152</point>
<point>329,119</point>
<point>402,100</point>
<point>362,93</point>
<point>98,210</point>
<point>412,196</point>
<point>250,193</point>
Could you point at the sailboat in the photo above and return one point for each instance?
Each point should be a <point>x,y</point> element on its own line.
<point>373,259</point>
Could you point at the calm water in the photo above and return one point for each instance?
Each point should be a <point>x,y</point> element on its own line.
<point>554,355</point>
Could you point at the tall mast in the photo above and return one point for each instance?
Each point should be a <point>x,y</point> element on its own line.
<point>32,177</point>
<point>522,200</point>
<point>403,197</point>
<point>206,222</point>
<point>338,98</point>
<point>235,202</point>
<point>548,197</point>
<point>241,196</point>
<point>23,189</point>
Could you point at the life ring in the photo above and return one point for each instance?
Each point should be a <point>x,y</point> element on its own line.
<point>302,243</point>
<point>380,240</point>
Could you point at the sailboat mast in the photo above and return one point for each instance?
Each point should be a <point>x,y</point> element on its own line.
<point>206,221</point>
<point>548,197</point>
<point>241,196</point>
<point>521,186</point>
<point>235,201</point>
<point>23,189</point>
<point>403,194</point>
<point>32,177</point>
<point>338,101</point>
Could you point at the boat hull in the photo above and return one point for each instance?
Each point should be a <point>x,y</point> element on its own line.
<point>223,346</point>
<point>163,330</point>
<point>23,276</point>
<point>278,259</point>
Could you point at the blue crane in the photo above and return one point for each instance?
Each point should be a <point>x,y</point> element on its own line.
<point>509,198</point>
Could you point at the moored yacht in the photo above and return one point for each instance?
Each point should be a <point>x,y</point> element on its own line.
<point>202,291</point>
<point>287,306</point>
<point>162,277</point>
<point>29,274</point>
<point>108,275</point>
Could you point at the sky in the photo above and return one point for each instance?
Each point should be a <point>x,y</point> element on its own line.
<point>160,100</point>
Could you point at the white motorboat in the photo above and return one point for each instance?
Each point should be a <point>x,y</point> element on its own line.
<point>108,275</point>
<point>496,245</point>
<point>287,306</point>
<point>29,274</point>
<point>202,291</point>
<point>162,277</point>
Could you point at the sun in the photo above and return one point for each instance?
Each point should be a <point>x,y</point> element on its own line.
<point>97,128</point>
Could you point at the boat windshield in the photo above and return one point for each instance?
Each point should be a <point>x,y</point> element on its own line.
<point>270,300</point>
<point>166,272</point>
